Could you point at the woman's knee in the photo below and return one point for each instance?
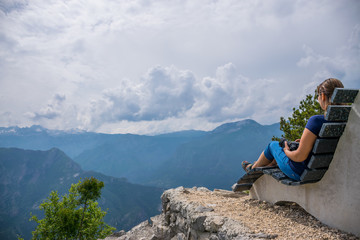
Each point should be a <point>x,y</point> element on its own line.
<point>274,144</point>
<point>268,150</point>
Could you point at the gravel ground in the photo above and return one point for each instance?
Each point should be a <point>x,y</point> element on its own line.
<point>286,221</point>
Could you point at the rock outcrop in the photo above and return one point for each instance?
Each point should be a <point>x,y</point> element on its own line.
<point>198,213</point>
<point>182,219</point>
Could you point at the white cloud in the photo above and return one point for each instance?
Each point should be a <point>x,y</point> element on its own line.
<point>226,90</point>
<point>163,92</point>
<point>167,92</point>
<point>51,111</point>
<point>345,64</point>
<point>216,60</point>
<point>168,95</point>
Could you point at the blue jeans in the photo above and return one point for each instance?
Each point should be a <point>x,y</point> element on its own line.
<point>273,150</point>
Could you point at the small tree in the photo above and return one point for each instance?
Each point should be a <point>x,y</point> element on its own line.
<point>76,216</point>
<point>295,125</point>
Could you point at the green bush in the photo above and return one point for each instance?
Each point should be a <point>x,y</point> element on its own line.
<point>75,216</point>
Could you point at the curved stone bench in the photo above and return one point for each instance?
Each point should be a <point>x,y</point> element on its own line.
<point>335,199</point>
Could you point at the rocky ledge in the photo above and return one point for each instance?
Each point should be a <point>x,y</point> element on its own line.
<point>199,213</point>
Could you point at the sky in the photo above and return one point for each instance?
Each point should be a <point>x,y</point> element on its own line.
<point>150,67</point>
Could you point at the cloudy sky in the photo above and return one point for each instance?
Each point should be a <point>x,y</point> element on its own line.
<point>156,66</point>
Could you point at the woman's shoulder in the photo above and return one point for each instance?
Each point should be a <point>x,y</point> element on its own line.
<point>315,122</point>
<point>317,118</point>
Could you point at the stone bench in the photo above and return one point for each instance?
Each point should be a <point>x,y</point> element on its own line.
<point>323,149</point>
<point>330,188</point>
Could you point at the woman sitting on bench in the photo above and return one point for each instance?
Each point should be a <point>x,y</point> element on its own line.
<point>293,163</point>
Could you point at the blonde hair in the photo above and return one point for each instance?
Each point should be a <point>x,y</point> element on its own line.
<point>327,87</point>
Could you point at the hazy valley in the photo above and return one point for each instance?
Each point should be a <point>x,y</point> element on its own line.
<point>125,162</point>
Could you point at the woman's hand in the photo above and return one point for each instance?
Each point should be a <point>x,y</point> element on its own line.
<point>306,144</point>
<point>286,146</point>
<point>297,140</point>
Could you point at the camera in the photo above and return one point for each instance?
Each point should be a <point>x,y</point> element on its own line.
<point>292,145</point>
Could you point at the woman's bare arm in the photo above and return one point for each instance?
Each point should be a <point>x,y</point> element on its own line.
<point>306,144</point>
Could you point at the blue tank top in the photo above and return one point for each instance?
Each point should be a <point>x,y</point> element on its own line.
<point>314,125</point>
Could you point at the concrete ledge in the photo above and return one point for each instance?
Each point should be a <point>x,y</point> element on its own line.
<point>335,200</point>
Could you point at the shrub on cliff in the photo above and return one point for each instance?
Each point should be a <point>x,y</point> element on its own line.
<point>75,216</point>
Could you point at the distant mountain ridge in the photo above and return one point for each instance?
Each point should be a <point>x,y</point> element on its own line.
<point>15,130</point>
<point>212,158</point>
<point>214,161</point>
<point>27,177</point>
<point>75,142</point>
<point>236,126</point>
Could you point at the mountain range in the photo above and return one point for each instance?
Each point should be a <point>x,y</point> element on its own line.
<point>27,177</point>
<point>135,168</point>
<point>208,158</point>
<point>214,160</point>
